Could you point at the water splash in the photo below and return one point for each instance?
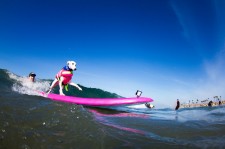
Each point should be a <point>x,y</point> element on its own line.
<point>23,86</point>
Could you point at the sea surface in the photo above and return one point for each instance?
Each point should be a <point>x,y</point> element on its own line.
<point>29,121</point>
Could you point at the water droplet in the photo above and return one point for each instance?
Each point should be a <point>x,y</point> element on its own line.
<point>24,138</point>
<point>60,141</point>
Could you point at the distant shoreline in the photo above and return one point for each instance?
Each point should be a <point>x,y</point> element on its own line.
<point>195,105</point>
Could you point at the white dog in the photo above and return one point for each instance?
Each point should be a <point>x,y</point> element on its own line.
<point>64,77</point>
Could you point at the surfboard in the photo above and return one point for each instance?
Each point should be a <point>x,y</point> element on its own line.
<point>97,101</point>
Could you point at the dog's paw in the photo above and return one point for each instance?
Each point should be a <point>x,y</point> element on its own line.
<point>61,93</point>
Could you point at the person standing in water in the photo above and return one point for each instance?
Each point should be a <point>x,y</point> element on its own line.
<point>32,76</point>
<point>210,103</point>
<point>178,105</point>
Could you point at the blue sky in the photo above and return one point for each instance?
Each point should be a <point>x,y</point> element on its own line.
<point>169,49</point>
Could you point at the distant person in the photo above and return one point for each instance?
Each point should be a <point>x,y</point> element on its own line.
<point>210,103</point>
<point>178,105</point>
<point>64,77</point>
<point>149,105</point>
<point>220,102</point>
<point>32,76</point>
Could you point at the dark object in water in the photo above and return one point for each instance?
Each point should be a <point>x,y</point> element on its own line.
<point>149,105</point>
<point>210,103</point>
<point>178,105</point>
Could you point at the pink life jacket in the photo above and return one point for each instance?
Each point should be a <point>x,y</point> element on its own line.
<point>66,74</point>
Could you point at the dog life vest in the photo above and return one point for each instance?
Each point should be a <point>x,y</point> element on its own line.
<point>66,74</point>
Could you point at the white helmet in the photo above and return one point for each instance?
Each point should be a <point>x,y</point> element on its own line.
<point>71,65</point>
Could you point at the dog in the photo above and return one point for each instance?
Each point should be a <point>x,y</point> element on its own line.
<point>63,78</point>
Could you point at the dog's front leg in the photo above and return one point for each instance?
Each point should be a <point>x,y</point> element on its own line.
<point>61,86</point>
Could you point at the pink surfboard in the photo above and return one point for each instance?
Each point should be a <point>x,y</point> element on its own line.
<point>97,101</point>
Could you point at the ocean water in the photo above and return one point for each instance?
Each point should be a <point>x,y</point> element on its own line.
<point>28,121</point>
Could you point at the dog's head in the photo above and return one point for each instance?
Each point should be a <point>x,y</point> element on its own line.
<point>72,65</point>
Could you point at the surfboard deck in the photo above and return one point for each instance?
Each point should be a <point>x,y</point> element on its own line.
<point>97,101</point>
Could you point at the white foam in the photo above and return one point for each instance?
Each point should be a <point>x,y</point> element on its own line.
<point>138,106</point>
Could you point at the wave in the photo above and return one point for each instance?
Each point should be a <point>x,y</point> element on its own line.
<point>21,85</point>
<point>26,119</point>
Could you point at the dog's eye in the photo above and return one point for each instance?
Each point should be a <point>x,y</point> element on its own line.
<point>72,63</point>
